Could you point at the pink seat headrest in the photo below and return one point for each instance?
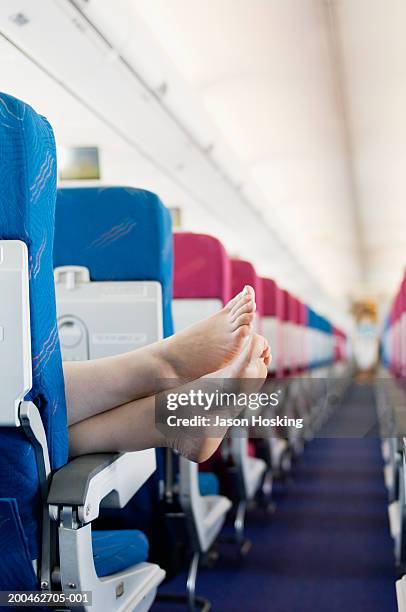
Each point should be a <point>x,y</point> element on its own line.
<point>403,296</point>
<point>286,305</point>
<point>243,273</point>
<point>271,298</point>
<point>299,312</point>
<point>292,309</point>
<point>202,268</point>
<point>396,308</point>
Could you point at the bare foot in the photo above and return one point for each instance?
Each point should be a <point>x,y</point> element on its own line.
<point>213,343</point>
<point>246,374</point>
<point>250,364</point>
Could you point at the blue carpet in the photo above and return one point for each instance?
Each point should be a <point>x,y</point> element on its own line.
<point>327,548</point>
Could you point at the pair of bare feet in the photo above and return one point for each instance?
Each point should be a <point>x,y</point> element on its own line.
<point>224,346</point>
<point>111,401</point>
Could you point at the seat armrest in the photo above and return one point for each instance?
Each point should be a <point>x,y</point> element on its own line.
<point>104,479</point>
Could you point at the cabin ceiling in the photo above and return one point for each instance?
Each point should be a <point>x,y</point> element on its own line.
<point>264,73</point>
<point>311,96</point>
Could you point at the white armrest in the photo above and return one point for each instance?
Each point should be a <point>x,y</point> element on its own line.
<point>91,481</point>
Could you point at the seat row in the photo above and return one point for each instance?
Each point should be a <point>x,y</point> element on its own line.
<point>391,401</point>
<point>111,525</point>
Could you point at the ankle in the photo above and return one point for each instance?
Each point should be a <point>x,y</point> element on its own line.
<point>172,359</point>
<point>164,359</point>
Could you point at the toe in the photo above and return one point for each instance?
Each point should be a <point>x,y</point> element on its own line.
<point>267,357</point>
<point>247,305</point>
<point>266,350</point>
<point>248,290</point>
<point>241,332</point>
<point>244,297</point>
<point>235,301</point>
<point>260,347</point>
<point>245,319</point>
<point>242,301</point>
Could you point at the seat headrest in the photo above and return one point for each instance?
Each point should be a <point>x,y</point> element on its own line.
<point>312,318</point>
<point>202,268</point>
<point>304,314</point>
<point>326,325</point>
<point>316,321</point>
<point>271,298</point>
<point>293,309</point>
<point>119,234</point>
<point>286,305</point>
<point>243,273</point>
<point>398,306</point>
<point>27,207</point>
<point>298,311</point>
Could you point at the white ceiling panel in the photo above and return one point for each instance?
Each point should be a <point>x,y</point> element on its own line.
<point>264,72</point>
<point>372,34</point>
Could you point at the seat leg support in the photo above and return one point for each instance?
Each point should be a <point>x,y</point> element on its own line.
<point>193,602</point>
<point>191,581</point>
<point>244,545</point>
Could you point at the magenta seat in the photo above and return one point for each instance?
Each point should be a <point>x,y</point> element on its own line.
<point>202,268</point>
<point>271,303</point>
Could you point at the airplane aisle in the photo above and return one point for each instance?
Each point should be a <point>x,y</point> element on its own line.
<point>327,547</point>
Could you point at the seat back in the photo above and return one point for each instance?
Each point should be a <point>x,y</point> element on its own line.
<point>243,450</point>
<point>298,319</point>
<point>299,335</point>
<point>99,319</point>
<point>202,286</point>
<point>272,323</point>
<point>303,336</point>
<point>294,333</point>
<point>202,278</point>
<point>113,260</point>
<point>320,340</point>
<point>312,338</point>
<point>287,329</point>
<point>27,206</point>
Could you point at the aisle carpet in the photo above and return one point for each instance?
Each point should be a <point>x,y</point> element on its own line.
<point>327,548</point>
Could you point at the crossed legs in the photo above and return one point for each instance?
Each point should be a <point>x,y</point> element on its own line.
<point>111,401</point>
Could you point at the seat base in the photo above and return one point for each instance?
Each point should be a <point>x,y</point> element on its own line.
<point>133,588</point>
<point>215,508</point>
<point>255,471</point>
<point>115,551</point>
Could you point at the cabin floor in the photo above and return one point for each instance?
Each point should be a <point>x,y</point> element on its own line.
<point>327,547</point>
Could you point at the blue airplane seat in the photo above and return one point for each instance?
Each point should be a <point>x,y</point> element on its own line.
<point>27,197</point>
<point>114,551</point>
<point>209,483</point>
<point>27,208</point>
<point>119,234</point>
